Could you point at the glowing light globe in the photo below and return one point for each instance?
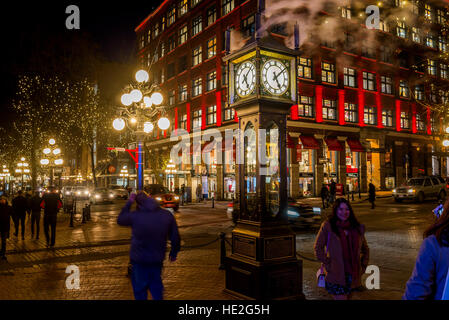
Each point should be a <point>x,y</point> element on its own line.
<point>52,141</point>
<point>45,161</point>
<point>148,127</point>
<point>142,76</point>
<point>446,143</point>
<point>447,130</point>
<point>58,161</point>
<point>126,99</point>
<point>133,120</point>
<point>163,123</point>
<point>157,98</point>
<point>56,151</point>
<point>147,101</point>
<point>136,95</point>
<point>47,150</point>
<point>118,124</point>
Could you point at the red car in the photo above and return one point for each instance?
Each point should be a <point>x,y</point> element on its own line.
<point>162,195</point>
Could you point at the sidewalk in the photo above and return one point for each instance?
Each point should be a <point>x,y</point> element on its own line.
<point>316,201</point>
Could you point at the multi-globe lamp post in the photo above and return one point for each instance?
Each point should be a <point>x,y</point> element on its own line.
<point>4,175</point>
<point>22,168</point>
<point>140,104</point>
<point>52,157</point>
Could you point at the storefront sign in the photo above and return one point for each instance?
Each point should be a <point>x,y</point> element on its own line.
<point>352,175</point>
<point>306,174</point>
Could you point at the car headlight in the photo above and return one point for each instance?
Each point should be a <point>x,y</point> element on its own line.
<point>411,190</point>
<point>78,193</point>
<point>158,198</point>
<point>394,190</point>
<point>316,210</point>
<point>176,198</point>
<point>111,195</point>
<point>97,196</point>
<point>292,213</point>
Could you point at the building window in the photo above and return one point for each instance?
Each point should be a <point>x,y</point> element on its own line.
<point>305,107</point>
<point>370,115</point>
<point>430,40</point>
<point>432,93</point>
<point>383,26</point>
<point>444,95</point>
<point>182,7</point>
<point>162,49</point>
<point>369,81</point>
<point>350,112</point>
<point>433,126</point>
<point>415,6</point>
<point>419,92</point>
<point>197,87</point>
<point>171,43</point>
<point>197,56</point>
<point>420,124</point>
<point>399,3</point>
<point>171,97</point>
<point>431,67</point>
<point>183,121</point>
<point>162,76</point>
<point>428,12</point>
<point>367,50</point>
<point>405,121</point>
<point>328,72</point>
<point>183,93</point>
<point>442,43</point>
<point>197,115</point>
<point>211,16</point>
<point>226,6</point>
<point>329,109</point>
<point>416,35</point>
<point>148,59</point>
<point>171,15</point>
<point>182,35</point>
<point>349,42</point>
<point>403,89</point>
<point>350,77</point>
<point>401,30</point>
<point>441,17</point>
<point>386,85</point>
<point>443,71</point>
<point>211,47</point>
<point>386,54</point>
<point>248,26</point>
<point>170,70</point>
<point>229,113</point>
<point>387,117</point>
<point>156,54</point>
<point>193,3</point>
<point>212,114</point>
<point>197,25</point>
<point>162,26</point>
<point>305,68</point>
<point>142,41</point>
<point>211,81</point>
<point>346,12</point>
<point>182,64</point>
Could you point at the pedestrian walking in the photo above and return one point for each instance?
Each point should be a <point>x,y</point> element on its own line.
<point>51,203</point>
<point>5,222</point>
<point>151,227</point>
<point>324,196</point>
<point>346,256</point>
<point>183,191</point>
<point>28,198</point>
<point>20,207</point>
<point>35,205</point>
<point>430,273</point>
<point>199,192</point>
<point>332,191</point>
<point>372,194</point>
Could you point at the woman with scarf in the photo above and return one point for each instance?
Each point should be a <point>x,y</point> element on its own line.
<point>341,247</point>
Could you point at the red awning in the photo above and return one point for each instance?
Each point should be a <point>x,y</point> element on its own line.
<point>309,142</point>
<point>334,145</point>
<point>355,146</point>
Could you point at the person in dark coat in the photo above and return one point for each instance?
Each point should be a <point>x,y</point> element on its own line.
<point>332,191</point>
<point>20,207</point>
<point>430,273</point>
<point>151,227</point>
<point>28,198</point>
<point>5,221</point>
<point>324,195</point>
<point>35,206</point>
<point>51,203</point>
<point>372,194</point>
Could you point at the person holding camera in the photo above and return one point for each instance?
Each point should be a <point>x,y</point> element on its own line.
<point>151,226</point>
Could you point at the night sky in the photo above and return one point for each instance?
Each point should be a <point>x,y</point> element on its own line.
<point>110,23</point>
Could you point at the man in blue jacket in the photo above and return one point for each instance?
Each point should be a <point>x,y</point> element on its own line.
<point>151,227</point>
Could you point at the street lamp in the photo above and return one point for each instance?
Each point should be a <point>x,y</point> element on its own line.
<point>4,174</point>
<point>124,174</point>
<point>22,168</point>
<point>142,99</point>
<point>52,153</point>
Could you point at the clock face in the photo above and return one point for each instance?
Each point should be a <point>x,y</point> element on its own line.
<point>275,77</point>
<point>245,79</point>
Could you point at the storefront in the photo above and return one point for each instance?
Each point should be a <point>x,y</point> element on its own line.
<point>373,162</point>
<point>306,156</point>
<point>332,149</point>
<point>353,149</point>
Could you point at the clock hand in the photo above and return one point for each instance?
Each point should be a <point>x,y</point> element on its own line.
<point>275,78</point>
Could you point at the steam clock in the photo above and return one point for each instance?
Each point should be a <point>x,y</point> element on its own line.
<point>262,89</point>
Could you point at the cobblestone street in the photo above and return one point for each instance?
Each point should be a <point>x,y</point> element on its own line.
<point>100,249</point>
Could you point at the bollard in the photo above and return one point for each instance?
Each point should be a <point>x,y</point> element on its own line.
<point>84,216</point>
<point>352,195</point>
<point>213,202</point>
<point>222,251</point>
<point>88,211</point>
<point>71,218</point>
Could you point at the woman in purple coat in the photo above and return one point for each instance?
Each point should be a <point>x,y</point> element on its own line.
<point>430,273</point>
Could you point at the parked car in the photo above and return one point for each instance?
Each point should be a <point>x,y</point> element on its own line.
<point>101,195</point>
<point>162,195</point>
<point>80,193</point>
<point>298,214</point>
<point>119,192</point>
<point>420,188</point>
